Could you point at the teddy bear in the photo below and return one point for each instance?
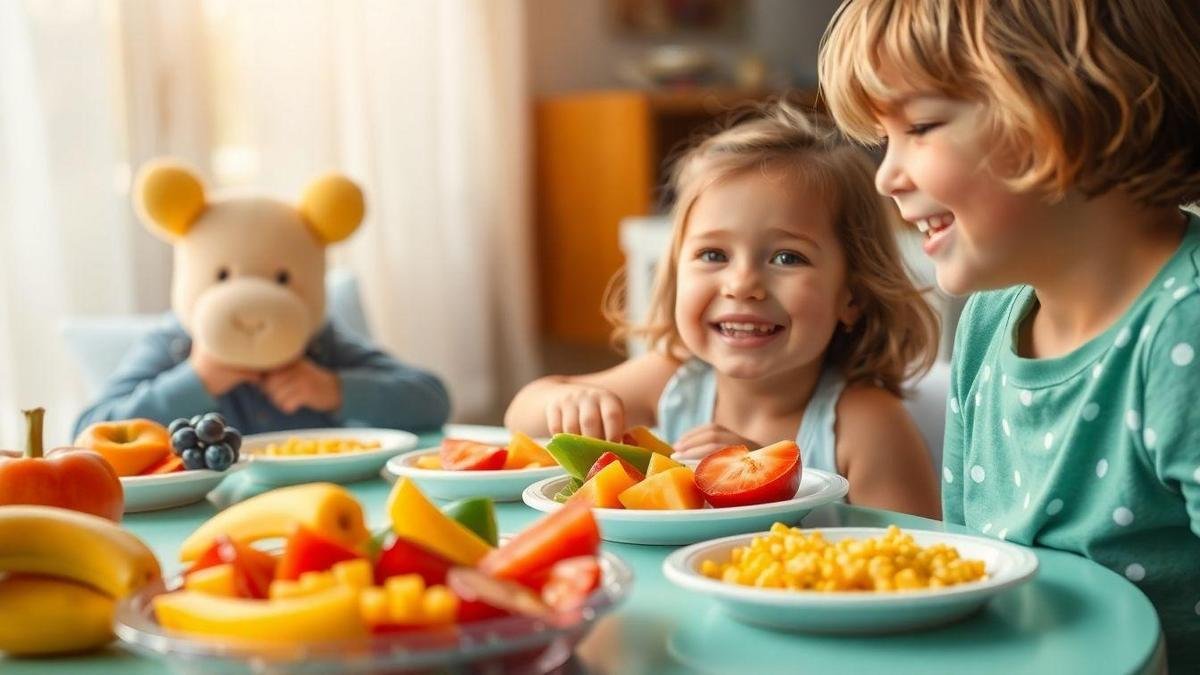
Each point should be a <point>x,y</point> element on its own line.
<point>247,334</point>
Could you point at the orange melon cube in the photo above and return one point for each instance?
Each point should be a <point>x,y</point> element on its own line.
<point>660,463</point>
<point>216,580</point>
<point>603,490</point>
<point>524,452</point>
<point>673,489</point>
<point>643,438</point>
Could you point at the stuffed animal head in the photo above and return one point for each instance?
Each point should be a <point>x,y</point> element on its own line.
<point>249,280</point>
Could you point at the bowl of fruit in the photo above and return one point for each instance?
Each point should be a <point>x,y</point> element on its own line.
<point>434,591</point>
<point>477,462</point>
<point>642,496</point>
<point>164,467</point>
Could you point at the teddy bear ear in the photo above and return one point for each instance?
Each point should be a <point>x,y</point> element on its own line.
<point>333,206</point>
<point>167,197</point>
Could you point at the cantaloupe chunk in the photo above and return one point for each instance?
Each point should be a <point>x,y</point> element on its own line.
<point>673,489</point>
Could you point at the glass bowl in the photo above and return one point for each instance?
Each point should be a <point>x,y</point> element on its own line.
<point>515,644</point>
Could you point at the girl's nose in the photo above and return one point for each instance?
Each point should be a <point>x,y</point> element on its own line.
<point>890,178</point>
<point>743,282</point>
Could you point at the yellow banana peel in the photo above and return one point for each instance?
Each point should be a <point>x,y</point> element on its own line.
<point>324,616</point>
<point>325,508</point>
<point>45,616</point>
<point>75,546</point>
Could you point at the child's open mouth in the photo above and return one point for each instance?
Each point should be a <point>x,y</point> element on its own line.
<point>746,333</point>
<point>933,225</point>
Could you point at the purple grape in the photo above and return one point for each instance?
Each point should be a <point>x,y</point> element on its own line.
<point>178,424</point>
<point>210,430</point>
<point>193,458</point>
<point>218,457</point>
<point>184,439</point>
<point>233,437</point>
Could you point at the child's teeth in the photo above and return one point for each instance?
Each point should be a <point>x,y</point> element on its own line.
<point>737,327</point>
<point>923,225</point>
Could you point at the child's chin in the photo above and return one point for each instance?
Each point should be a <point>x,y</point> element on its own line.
<point>954,281</point>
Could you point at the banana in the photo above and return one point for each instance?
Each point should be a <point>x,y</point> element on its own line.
<point>75,546</point>
<point>52,616</point>
<point>323,507</point>
<point>324,616</point>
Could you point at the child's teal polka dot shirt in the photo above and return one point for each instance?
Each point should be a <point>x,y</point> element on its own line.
<point>1096,452</point>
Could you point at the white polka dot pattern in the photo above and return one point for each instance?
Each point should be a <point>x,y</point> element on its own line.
<point>977,473</point>
<point>1122,516</point>
<point>1054,507</point>
<point>1135,572</point>
<point>1182,354</point>
<point>1101,468</point>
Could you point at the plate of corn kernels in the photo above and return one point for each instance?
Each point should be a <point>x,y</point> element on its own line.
<point>339,455</point>
<point>850,580</point>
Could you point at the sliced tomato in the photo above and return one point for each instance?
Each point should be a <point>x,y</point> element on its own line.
<point>406,557</point>
<point>571,582</point>
<point>307,551</point>
<point>608,458</point>
<point>482,596</point>
<point>461,455</point>
<point>737,476</point>
<point>571,531</point>
<point>253,569</point>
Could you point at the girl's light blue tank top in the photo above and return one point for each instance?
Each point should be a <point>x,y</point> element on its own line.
<point>690,397</point>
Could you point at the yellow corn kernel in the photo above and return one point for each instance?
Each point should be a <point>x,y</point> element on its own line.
<point>373,605</point>
<point>404,597</point>
<point>439,605</point>
<point>354,573</point>
<point>285,588</point>
<point>311,582</point>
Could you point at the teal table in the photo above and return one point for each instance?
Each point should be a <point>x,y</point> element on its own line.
<point>1074,617</point>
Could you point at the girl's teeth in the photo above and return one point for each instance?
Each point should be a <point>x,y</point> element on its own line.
<point>935,223</point>
<point>738,328</point>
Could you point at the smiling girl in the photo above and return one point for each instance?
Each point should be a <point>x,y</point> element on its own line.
<point>782,311</point>
<point>1045,147</point>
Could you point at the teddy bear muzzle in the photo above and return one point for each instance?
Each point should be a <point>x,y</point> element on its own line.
<point>252,323</point>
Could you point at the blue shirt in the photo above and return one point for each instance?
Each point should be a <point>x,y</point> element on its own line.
<point>156,381</point>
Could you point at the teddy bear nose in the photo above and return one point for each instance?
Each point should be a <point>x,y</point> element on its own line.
<point>251,326</point>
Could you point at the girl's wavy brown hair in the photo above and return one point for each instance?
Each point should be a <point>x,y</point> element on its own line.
<point>895,338</point>
<point>1086,95</point>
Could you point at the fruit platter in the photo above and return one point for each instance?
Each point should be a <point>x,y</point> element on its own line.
<point>467,463</point>
<point>435,588</point>
<point>642,496</point>
<point>339,455</point>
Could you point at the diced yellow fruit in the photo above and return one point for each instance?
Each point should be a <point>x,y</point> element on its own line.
<point>311,582</point>
<point>285,588</point>
<point>404,595</point>
<point>355,573</point>
<point>373,604</point>
<point>670,490</point>
<point>429,462</point>
<point>321,617</point>
<point>416,519</point>
<point>603,490</point>
<point>439,605</point>
<point>644,438</point>
<point>660,463</point>
<point>325,508</point>
<point>524,452</point>
<point>215,580</point>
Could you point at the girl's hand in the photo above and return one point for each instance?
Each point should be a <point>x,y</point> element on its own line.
<point>303,384</point>
<point>217,377</point>
<point>586,410</point>
<point>703,441</point>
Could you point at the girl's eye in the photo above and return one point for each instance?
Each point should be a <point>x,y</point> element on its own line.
<point>923,128</point>
<point>788,258</point>
<point>711,255</point>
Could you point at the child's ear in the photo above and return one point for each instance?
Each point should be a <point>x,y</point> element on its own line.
<point>167,197</point>
<point>333,206</point>
<point>849,313</point>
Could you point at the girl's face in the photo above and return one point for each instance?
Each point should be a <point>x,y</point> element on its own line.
<point>761,277</point>
<point>979,233</point>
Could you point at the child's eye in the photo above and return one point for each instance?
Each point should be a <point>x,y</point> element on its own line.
<point>711,255</point>
<point>788,258</point>
<point>923,128</point>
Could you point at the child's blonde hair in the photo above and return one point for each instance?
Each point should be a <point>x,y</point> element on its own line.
<point>1091,95</point>
<point>895,336</point>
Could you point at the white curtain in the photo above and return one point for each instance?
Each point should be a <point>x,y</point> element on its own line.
<point>424,102</point>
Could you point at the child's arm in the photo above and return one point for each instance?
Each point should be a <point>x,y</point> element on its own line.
<point>155,380</point>
<point>379,391</point>
<point>602,405</point>
<point>1170,430</point>
<point>881,453</point>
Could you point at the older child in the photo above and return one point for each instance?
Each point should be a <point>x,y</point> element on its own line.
<point>1044,147</point>
<point>782,311</point>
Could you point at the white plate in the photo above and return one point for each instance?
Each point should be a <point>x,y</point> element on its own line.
<point>345,467</point>
<point>502,485</point>
<point>631,526</point>
<point>855,611</point>
<point>168,490</point>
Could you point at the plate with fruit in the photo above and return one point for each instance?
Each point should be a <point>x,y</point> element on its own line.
<point>477,462</point>
<point>340,455</point>
<point>642,496</point>
<point>164,467</point>
<point>876,580</point>
<point>428,593</point>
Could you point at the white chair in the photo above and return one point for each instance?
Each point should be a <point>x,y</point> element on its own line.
<point>927,405</point>
<point>98,343</point>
